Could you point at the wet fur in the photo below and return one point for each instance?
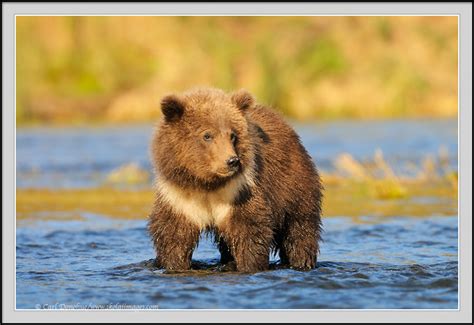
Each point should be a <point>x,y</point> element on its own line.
<point>273,204</point>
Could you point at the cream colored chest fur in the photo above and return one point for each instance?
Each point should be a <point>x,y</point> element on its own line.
<point>203,208</point>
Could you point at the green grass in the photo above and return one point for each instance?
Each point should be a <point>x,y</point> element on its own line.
<point>310,68</point>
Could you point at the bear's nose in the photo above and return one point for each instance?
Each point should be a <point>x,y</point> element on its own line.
<point>233,162</point>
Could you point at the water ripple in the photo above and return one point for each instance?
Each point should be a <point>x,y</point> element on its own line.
<point>105,261</point>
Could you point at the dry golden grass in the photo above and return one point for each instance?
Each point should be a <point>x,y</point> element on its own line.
<point>133,204</point>
<point>115,69</point>
<point>344,198</point>
<point>385,186</point>
<point>356,189</point>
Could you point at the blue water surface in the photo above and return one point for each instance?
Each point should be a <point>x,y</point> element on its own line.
<point>81,260</point>
<point>100,262</point>
<point>82,156</point>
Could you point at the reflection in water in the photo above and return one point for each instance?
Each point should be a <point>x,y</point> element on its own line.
<point>383,263</point>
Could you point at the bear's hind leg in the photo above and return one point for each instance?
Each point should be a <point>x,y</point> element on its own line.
<point>279,247</point>
<point>226,255</point>
<point>249,240</point>
<point>300,244</point>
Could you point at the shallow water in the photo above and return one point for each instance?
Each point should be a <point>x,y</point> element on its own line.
<point>75,259</point>
<point>107,263</point>
<point>80,157</point>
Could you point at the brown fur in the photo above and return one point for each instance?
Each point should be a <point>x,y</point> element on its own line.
<point>272,202</point>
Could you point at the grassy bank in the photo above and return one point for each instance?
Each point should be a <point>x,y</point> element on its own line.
<point>354,188</point>
<point>115,69</point>
<point>342,198</point>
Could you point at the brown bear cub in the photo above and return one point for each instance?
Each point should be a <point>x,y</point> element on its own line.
<point>230,166</point>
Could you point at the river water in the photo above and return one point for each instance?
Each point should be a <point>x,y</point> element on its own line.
<point>100,261</point>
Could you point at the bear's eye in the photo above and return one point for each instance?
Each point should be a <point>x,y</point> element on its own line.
<point>233,137</point>
<point>207,136</point>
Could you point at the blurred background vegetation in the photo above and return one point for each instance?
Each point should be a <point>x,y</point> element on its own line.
<point>115,69</point>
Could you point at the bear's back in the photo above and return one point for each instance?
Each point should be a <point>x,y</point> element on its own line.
<point>287,172</point>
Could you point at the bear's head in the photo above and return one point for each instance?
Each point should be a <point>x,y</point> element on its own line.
<point>203,138</point>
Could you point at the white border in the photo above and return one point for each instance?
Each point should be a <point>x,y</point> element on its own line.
<point>232,6</point>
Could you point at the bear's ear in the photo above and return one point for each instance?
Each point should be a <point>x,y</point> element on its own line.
<point>243,99</point>
<point>172,108</point>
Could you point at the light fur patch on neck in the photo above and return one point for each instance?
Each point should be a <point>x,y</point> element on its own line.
<point>205,209</point>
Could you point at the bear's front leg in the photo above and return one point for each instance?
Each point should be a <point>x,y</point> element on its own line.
<point>174,239</point>
<point>249,235</point>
